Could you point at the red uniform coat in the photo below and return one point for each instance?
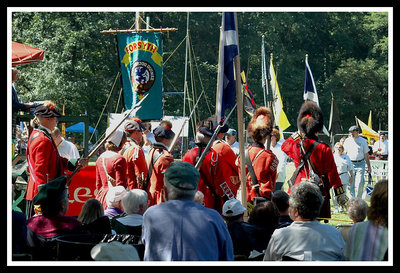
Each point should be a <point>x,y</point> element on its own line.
<point>227,158</point>
<point>265,170</point>
<point>156,187</point>
<point>136,166</point>
<point>321,157</point>
<point>44,161</point>
<point>116,168</point>
<point>211,171</point>
<point>323,161</point>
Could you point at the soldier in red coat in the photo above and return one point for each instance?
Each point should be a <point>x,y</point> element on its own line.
<point>227,157</point>
<point>111,166</point>
<point>264,161</point>
<point>44,162</point>
<point>158,160</point>
<point>212,182</point>
<point>309,123</point>
<point>136,169</point>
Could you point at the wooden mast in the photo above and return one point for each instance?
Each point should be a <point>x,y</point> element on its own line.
<point>241,122</point>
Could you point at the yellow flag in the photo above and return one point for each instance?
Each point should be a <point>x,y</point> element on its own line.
<point>369,123</point>
<point>279,115</point>
<point>367,131</point>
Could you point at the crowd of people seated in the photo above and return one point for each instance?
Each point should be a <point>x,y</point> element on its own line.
<point>283,229</point>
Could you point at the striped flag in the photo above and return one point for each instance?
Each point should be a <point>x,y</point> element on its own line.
<point>310,91</point>
<point>228,50</point>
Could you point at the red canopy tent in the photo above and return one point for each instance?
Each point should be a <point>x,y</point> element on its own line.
<point>24,54</point>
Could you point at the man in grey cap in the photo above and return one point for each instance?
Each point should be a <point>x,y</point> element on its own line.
<point>180,229</point>
<point>357,149</point>
<point>230,138</point>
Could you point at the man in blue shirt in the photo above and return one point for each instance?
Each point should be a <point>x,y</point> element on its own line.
<point>180,229</point>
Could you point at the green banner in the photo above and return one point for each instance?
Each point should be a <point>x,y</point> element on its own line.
<point>141,68</point>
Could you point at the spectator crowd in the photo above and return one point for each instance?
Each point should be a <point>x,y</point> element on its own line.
<point>150,207</point>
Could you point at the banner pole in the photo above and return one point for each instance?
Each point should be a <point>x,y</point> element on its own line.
<point>241,124</point>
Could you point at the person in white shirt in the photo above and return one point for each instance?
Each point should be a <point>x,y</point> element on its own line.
<point>305,239</point>
<point>148,137</point>
<point>230,138</point>
<point>381,147</point>
<point>357,149</point>
<point>345,170</point>
<point>65,148</point>
<point>282,157</point>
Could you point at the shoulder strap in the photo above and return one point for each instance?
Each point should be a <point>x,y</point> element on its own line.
<point>151,165</point>
<point>304,158</point>
<point>250,163</point>
<point>251,169</point>
<point>109,178</point>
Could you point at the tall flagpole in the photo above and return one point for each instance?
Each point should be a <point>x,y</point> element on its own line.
<point>241,122</point>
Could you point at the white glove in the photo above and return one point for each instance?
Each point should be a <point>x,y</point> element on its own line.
<point>342,199</point>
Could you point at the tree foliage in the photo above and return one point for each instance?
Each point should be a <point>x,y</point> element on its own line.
<point>348,55</point>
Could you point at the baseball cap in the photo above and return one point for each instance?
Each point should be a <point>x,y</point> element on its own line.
<point>232,207</point>
<point>231,131</point>
<point>182,175</point>
<point>354,128</point>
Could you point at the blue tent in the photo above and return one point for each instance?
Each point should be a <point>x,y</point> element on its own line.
<point>79,128</point>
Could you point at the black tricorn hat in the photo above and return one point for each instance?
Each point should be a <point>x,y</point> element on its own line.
<point>46,111</point>
<point>310,119</point>
<point>162,131</point>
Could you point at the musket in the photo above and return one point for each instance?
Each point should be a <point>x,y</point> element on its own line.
<point>183,125</point>
<point>94,151</point>
<point>216,132</point>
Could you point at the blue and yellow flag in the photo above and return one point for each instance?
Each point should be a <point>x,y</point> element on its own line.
<point>141,68</point>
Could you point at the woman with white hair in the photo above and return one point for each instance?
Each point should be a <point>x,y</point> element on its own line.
<point>113,201</point>
<point>134,203</point>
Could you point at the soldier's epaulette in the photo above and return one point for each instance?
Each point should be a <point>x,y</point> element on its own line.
<point>295,135</point>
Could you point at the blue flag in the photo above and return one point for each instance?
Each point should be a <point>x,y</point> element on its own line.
<point>228,50</point>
